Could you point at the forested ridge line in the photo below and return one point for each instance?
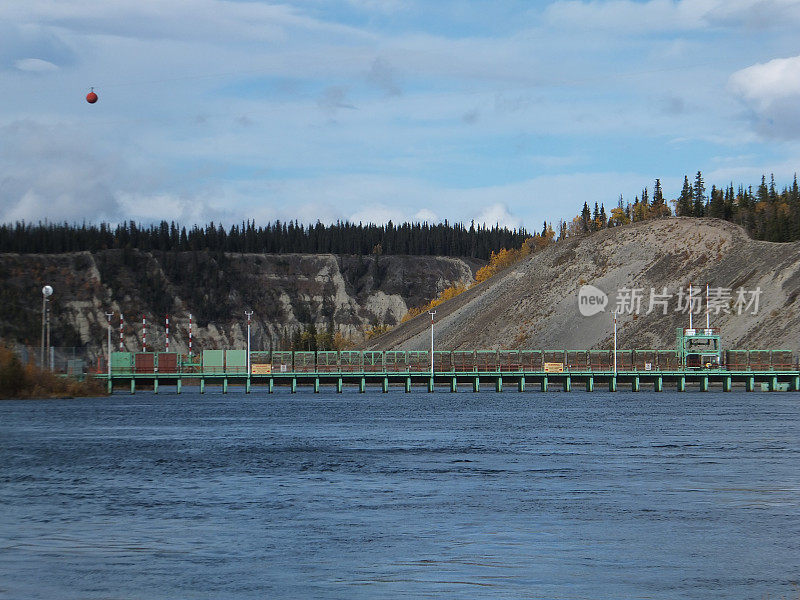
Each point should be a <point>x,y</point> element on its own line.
<point>420,239</point>
<point>765,212</point>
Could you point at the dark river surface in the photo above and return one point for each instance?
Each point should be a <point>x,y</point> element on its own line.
<point>533,495</point>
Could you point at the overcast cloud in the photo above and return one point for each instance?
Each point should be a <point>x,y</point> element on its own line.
<point>507,112</point>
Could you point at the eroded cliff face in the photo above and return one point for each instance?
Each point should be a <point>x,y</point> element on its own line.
<point>535,303</point>
<point>286,292</point>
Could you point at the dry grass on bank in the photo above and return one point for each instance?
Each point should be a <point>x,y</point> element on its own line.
<point>29,381</point>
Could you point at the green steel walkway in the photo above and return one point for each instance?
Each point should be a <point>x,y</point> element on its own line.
<point>723,380</point>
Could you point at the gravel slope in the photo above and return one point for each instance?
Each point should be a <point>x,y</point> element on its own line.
<point>535,303</point>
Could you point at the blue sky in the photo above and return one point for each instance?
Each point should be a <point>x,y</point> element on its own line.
<point>498,111</point>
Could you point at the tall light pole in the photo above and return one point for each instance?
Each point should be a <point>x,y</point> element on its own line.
<point>47,291</point>
<point>249,314</point>
<point>431,313</point>
<point>108,316</point>
<point>615,343</point>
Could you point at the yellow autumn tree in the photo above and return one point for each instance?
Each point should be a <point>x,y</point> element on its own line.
<point>500,260</point>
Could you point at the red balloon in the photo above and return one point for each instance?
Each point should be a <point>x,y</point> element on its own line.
<point>91,97</point>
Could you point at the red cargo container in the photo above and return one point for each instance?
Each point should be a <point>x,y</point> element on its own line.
<point>167,362</point>
<point>145,362</point>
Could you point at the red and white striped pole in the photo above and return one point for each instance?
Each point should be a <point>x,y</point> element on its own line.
<point>121,323</point>
<point>190,334</point>
<point>167,326</point>
<point>144,333</point>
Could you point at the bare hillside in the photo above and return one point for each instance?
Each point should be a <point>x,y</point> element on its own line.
<point>535,304</point>
<point>287,292</point>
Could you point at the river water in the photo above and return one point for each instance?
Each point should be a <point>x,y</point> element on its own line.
<point>534,495</point>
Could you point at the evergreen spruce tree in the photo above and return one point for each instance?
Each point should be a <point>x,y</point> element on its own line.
<point>699,196</point>
<point>658,194</point>
<point>683,205</point>
<point>716,204</point>
<point>586,217</point>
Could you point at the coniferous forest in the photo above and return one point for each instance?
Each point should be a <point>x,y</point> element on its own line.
<point>765,212</point>
<point>440,239</point>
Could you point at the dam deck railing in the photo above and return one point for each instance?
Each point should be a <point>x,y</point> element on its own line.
<point>523,370</point>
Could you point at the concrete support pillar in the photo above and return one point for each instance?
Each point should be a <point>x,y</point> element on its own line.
<point>750,384</point>
<point>795,384</point>
<point>430,384</point>
<point>454,385</point>
<point>635,384</point>
<point>612,384</point>
<point>476,384</point>
<point>726,384</point>
<point>155,385</point>
<point>385,386</point>
<point>179,385</point>
<point>544,383</point>
<point>133,385</point>
<point>294,384</point>
<point>202,386</point>
<point>658,386</point>
<point>225,385</point>
<point>682,383</point>
<point>522,383</point>
<point>408,385</point>
<point>773,384</point>
<point>316,385</point>
<point>704,384</point>
<point>590,384</point>
<point>568,383</point>
<point>362,385</point>
<point>271,385</point>
<point>110,385</point>
<point>339,385</point>
<point>247,386</point>
<point>499,384</point>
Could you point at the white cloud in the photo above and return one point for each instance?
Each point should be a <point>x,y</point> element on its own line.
<point>426,215</point>
<point>52,172</point>
<point>173,19</point>
<point>671,16</point>
<point>627,15</point>
<point>762,84</point>
<point>378,213</point>
<point>35,65</point>
<point>755,14</point>
<point>772,91</point>
<point>387,6</point>
<point>498,214</point>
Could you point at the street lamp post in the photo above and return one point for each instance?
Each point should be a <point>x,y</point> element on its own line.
<point>47,291</point>
<point>249,314</point>
<point>431,313</point>
<point>615,344</point>
<point>108,316</point>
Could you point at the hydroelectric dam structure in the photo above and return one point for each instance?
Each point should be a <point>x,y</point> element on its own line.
<point>696,363</point>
